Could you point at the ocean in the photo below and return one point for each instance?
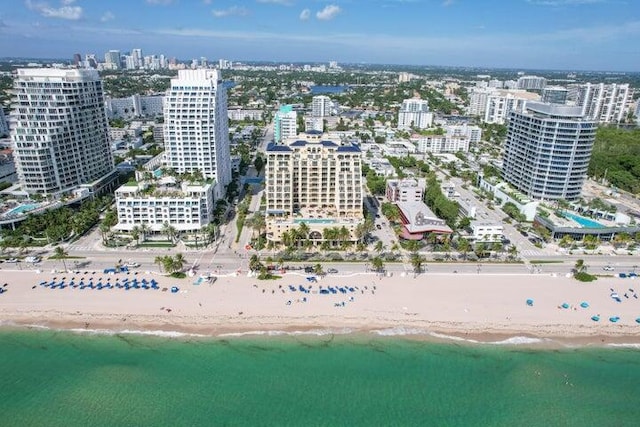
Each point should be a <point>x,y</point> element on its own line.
<point>55,378</point>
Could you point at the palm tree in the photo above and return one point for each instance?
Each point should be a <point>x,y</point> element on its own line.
<point>61,254</point>
<point>343,234</point>
<point>104,229</point>
<point>513,252</point>
<point>580,266</point>
<point>179,262</point>
<point>379,246</point>
<point>160,261</point>
<point>144,228</point>
<point>317,269</point>
<point>254,263</point>
<point>416,261</point>
<point>303,233</point>
<point>464,247</point>
<point>135,233</point>
<point>169,231</point>
<point>377,264</point>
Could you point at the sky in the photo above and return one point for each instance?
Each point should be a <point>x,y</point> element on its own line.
<point>528,34</point>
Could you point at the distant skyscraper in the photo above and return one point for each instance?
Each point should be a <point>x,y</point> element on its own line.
<point>285,124</point>
<point>321,106</point>
<point>60,132</point>
<point>77,59</point>
<point>414,113</point>
<point>112,58</point>
<point>196,131</point>
<point>532,83</point>
<point>605,103</point>
<point>554,95</point>
<point>90,61</point>
<point>136,55</point>
<point>547,151</point>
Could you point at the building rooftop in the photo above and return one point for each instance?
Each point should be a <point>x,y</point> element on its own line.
<point>420,219</point>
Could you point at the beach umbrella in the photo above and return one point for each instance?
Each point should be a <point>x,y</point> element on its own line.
<point>595,318</point>
<point>614,319</point>
<point>638,320</point>
<point>565,305</point>
<point>530,302</point>
<point>584,304</point>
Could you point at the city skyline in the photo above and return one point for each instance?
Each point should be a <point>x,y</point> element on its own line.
<point>533,34</point>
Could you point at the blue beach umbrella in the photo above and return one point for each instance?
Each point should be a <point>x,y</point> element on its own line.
<point>565,305</point>
<point>530,302</point>
<point>595,318</point>
<point>614,319</point>
<point>584,304</point>
<point>638,320</point>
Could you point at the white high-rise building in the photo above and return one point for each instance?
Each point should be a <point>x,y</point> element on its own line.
<point>315,181</point>
<point>136,54</point>
<point>605,103</point>
<point>532,83</point>
<point>414,113</point>
<point>547,151</point>
<point>4,126</point>
<point>501,103</point>
<point>321,106</point>
<point>112,59</point>
<point>196,131</point>
<point>60,131</point>
<point>285,124</point>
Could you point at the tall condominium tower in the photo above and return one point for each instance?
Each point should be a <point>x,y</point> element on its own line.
<point>547,151</point>
<point>285,124</point>
<point>112,59</point>
<point>414,113</point>
<point>60,130</point>
<point>321,106</point>
<point>196,130</point>
<point>604,103</point>
<point>4,126</point>
<point>315,181</point>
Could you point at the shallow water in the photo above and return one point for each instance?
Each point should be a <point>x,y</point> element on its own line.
<point>60,378</point>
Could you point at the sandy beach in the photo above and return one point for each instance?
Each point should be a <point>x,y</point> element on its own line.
<point>479,307</point>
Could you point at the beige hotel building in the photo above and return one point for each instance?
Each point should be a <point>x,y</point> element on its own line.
<point>313,180</point>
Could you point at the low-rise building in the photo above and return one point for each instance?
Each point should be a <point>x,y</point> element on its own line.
<point>486,232</point>
<point>405,190</point>
<point>418,220</point>
<point>186,206</point>
<point>503,193</point>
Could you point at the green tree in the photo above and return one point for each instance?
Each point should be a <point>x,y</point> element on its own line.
<point>60,253</point>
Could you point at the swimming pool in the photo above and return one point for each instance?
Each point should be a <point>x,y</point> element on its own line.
<point>585,222</point>
<point>157,173</point>
<point>314,220</point>
<point>254,180</point>
<point>22,209</point>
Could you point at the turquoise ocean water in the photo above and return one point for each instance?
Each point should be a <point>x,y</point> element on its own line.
<point>52,378</point>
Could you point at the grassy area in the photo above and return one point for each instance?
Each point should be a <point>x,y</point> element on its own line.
<point>66,257</point>
<point>545,261</point>
<point>156,245</point>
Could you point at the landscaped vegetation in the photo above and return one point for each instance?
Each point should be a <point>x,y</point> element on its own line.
<point>615,158</point>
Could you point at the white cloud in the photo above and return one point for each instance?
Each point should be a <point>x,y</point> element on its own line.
<point>446,3</point>
<point>108,16</point>
<point>231,11</point>
<point>280,2</point>
<point>206,1</point>
<point>305,15</point>
<point>328,13</point>
<point>65,11</point>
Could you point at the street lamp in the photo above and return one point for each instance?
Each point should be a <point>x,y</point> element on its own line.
<point>196,242</point>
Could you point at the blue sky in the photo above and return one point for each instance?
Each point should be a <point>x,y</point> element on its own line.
<point>555,34</point>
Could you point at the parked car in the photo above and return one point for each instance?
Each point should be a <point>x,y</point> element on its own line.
<point>378,226</point>
<point>11,260</point>
<point>608,268</point>
<point>32,259</point>
<point>132,264</point>
<point>332,271</point>
<point>308,269</point>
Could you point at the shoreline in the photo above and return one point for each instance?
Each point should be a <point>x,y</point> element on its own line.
<point>437,333</point>
<point>474,309</point>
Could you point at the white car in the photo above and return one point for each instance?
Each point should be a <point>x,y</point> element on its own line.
<point>608,268</point>
<point>132,264</point>
<point>11,260</point>
<point>32,259</point>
